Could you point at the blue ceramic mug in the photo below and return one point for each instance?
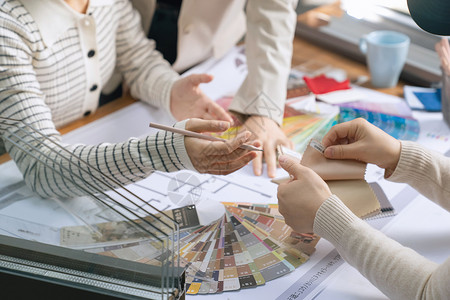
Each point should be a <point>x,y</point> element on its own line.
<point>386,53</point>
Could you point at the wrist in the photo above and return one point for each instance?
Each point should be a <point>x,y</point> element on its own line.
<point>171,101</point>
<point>179,144</point>
<point>332,219</point>
<point>394,157</point>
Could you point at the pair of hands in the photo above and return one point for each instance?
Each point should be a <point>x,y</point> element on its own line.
<point>300,198</point>
<point>188,101</point>
<point>219,158</point>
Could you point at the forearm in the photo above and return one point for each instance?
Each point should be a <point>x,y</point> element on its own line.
<point>270,33</point>
<point>445,93</point>
<point>51,171</point>
<point>427,171</point>
<point>397,271</point>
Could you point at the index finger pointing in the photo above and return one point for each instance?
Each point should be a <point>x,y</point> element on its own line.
<point>270,157</point>
<point>216,110</point>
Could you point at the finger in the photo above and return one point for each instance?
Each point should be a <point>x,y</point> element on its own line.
<point>445,45</point>
<point>207,116</point>
<point>445,55</point>
<point>196,79</point>
<point>443,50</point>
<point>220,113</point>
<point>223,172</point>
<point>290,145</point>
<point>349,151</point>
<point>270,157</point>
<point>343,131</point>
<point>336,132</point>
<point>231,145</point>
<point>232,156</point>
<point>291,165</point>
<point>287,143</point>
<point>442,53</point>
<point>199,125</point>
<point>234,164</point>
<point>439,48</point>
<point>257,162</point>
<point>257,143</point>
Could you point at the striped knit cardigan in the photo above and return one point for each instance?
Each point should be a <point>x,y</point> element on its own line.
<point>53,64</point>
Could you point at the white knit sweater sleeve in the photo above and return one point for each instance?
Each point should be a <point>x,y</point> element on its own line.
<point>145,71</point>
<point>398,271</point>
<point>426,171</point>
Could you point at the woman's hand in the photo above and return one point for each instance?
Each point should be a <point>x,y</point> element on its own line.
<point>300,198</point>
<point>188,101</point>
<point>443,50</point>
<point>219,158</point>
<point>267,132</point>
<point>360,140</point>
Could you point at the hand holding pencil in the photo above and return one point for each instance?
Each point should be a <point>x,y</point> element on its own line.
<point>211,154</point>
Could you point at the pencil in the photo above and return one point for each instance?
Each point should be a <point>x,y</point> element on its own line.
<point>199,135</point>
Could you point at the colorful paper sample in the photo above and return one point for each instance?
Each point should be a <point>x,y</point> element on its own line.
<point>403,128</point>
<point>247,247</point>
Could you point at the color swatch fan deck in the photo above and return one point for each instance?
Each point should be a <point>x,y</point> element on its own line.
<point>250,245</point>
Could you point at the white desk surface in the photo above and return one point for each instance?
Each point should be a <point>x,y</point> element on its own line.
<point>421,225</point>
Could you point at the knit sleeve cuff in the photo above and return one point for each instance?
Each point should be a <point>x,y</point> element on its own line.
<point>181,147</point>
<point>167,151</point>
<point>413,163</point>
<point>332,219</point>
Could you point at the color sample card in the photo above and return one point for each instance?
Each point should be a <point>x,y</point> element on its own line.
<point>247,247</point>
<point>428,99</point>
<point>398,127</point>
<point>299,127</point>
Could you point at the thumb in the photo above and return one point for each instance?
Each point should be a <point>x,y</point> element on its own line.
<point>199,125</point>
<point>347,151</point>
<point>196,79</point>
<point>291,165</point>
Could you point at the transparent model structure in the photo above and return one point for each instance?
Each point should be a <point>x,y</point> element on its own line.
<point>145,263</point>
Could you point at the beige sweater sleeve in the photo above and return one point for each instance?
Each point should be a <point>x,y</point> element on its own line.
<point>268,47</point>
<point>426,171</point>
<point>399,272</point>
<point>148,75</point>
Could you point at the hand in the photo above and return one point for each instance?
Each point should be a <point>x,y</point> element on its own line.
<point>188,101</point>
<point>360,140</point>
<point>443,50</point>
<point>300,198</point>
<point>219,158</point>
<point>269,135</point>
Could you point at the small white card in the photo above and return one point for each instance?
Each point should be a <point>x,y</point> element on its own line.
<point>317,145</point>
<point>341,96</point>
